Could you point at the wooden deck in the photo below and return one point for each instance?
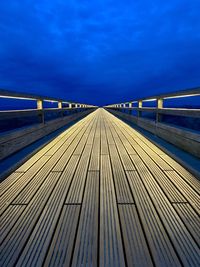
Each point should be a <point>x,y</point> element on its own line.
<point>100,194</point>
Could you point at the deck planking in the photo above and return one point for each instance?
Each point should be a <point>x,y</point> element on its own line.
<point>100,194</point>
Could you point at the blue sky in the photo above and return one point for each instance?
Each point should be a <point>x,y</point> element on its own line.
<point>99,51</point>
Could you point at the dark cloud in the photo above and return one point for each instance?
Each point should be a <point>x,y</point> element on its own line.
<point>101,51</point>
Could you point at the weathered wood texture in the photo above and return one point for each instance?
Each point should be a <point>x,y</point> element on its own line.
<point>100,194</point>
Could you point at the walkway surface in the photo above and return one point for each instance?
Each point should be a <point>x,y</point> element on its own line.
<point>100,194</point>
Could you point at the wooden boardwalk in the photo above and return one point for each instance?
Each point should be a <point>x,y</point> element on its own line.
<point>100,194</point>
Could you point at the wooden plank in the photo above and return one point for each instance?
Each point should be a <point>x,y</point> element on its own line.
<point>28,192</point>
<point>180,138</point>
<point>54,145</point>
<point>66,137</point>
<point>123,129</point>
<point>27,185</point>
<point>76,128</point>
<point>25,194</point>
<point>126,161</point>
<point>72,217</point>
<point>132,132</point>
<point>137,252</point>
<point>187,176</point>
<point>75,194</point>
<point>148,143</point>
<point>192,197</point>
<point>166,188</point>
<point>37,246</point>
<point>190,219</point>
<point>111,249</point>
<point>95,154</point>
<point>15,145</point>
<point>90,140</point>
<point>34,159</point>
<point>182,240</point>
<point>194,182</point>
<point>60,158</point>
<point>73,148</point>
<point>166,184</point>
<point>123,193</point>
<point>147,148</point>
<point>161,248</point>
<point>104,142</point>
<point>137,134</point>
<point>9,181</point>
<point>83,139</point>
<point>130,150</point>
<point>25,224</point>
<point>22,184</point>
<point>13,191</point>
<point>109,136</point>
<point>171,190</point>
<point>14,242</point>
<point>156,158</point>
<point>61,248</point>
<point>9,218</point>
<point>85,252</point>
<point>120,139</point>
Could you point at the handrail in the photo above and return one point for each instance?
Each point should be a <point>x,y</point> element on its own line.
<point>161,97</point>
<point>40,113</point>
<point>41,99</point>
<point>159,109</point>
<point>184,135</point>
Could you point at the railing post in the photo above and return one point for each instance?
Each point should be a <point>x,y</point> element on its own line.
<point>130,106</point>
<point>159,106</point>
<point>60,107</point>
<point>124,106</point>
<point>39,104</point>
<point>40,107</point>
<point>59,104</point>
<point>139,106</point>
<point>76,106</point>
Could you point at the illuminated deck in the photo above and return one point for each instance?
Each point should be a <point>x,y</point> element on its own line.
<point>100,194</point>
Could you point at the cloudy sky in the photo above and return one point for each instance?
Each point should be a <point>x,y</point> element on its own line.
<point>100,51</point>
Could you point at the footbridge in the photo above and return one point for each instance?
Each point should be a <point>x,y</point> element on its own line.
<point>99,192</point>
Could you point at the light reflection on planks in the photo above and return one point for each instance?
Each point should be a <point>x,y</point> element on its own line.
<point>100,194</point>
